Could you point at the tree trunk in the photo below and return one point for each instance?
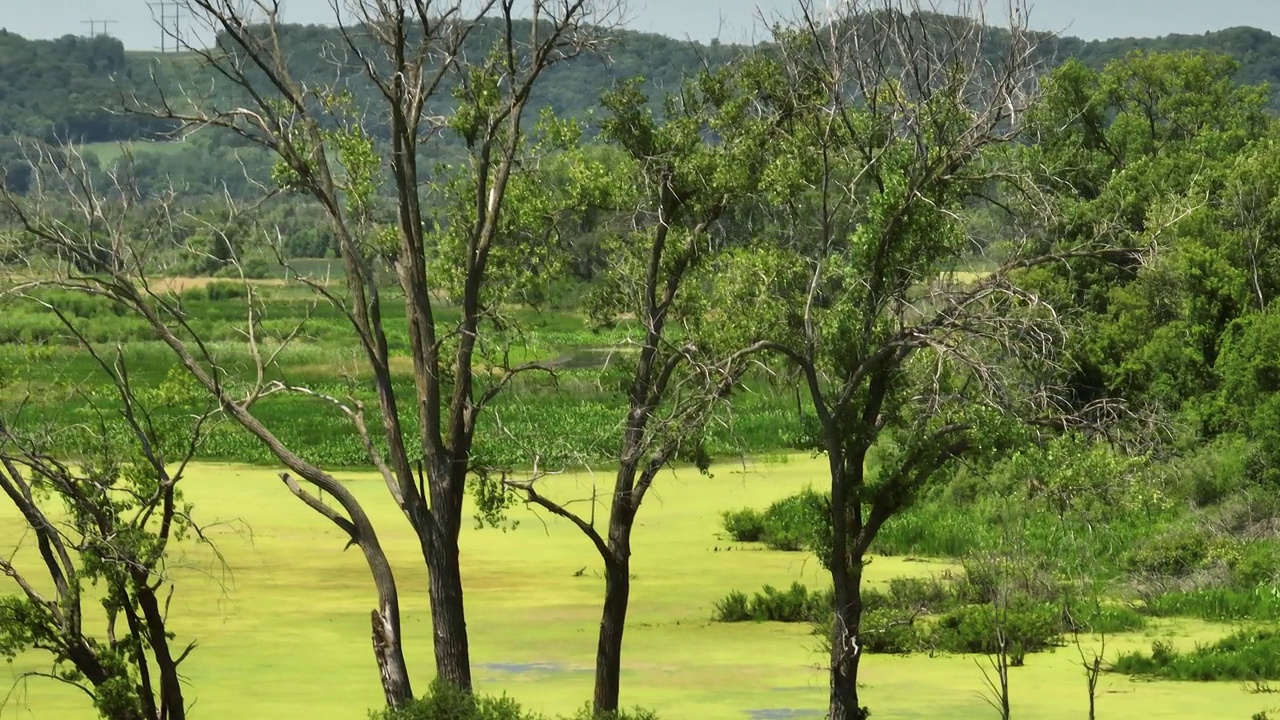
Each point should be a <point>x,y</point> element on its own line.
<point>172,705</point>
<point>448,615</point>
<point>617,592</point>
<point>390,659</point>
<point>846,650</point>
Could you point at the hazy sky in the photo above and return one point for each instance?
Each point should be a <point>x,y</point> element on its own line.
<point>731,20</point>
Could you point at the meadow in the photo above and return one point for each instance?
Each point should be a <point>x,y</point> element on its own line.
<point>282,627</point>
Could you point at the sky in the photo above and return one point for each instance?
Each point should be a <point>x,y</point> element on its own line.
<point>729,20</point>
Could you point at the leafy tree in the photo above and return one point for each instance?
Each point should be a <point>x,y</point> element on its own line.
<point>1159,150</point>
<point>892,124</point>
<point>681,175</point>
<point>103,504</point>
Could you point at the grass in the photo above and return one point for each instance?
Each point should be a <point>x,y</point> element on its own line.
<point>108,152</point>
<point>1246,655</point>
<point>285,633</point>
<point>572,422</point>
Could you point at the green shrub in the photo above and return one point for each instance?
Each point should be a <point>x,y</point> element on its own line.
<point>745,525</point>
<point>794,523</point>
<point>734,607</point>
<point>1256,564</point>
<point>796,604</point>
<point>889,631</point>
<point>1104,618</point>
<point>1243,656</point>
<point>929,595</point>
<point>1176,552</point>
<point>445,702</point>
<point>224,290</point>
<point>1025,628</point>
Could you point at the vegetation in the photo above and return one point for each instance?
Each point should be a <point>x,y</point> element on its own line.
<point>1246,655</point>
<point>1021,311</point>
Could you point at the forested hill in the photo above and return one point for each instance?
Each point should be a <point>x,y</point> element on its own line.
<point>60,89</point>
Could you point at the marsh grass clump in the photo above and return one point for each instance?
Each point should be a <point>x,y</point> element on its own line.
<point>792,524</point>
<point>446,702</point>
<point>745,525</point>
<point>1022,627</point>
<point>1247,655</point>
<point>1218,604</point>
<point>793,605</point>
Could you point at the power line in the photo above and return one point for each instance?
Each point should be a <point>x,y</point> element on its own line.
<point>94,24</point>
<point>170,16</point>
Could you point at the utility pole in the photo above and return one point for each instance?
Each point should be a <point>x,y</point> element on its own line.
<point>169,13</point>
<point>93,26</point>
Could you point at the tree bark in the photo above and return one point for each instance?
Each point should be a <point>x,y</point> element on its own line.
<point>847,476</point>
<point>846,650</point>
<point>448,615</point>
<point>613,621</point>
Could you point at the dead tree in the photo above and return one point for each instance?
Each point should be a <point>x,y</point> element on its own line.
<point>457,69</point>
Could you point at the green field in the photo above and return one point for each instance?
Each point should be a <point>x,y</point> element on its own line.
<point>107,152</point>
<point>283,630</point>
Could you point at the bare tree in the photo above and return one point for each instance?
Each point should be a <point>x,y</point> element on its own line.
<point>103,504</point>
<point>900,115</point>
<point>455,69</point>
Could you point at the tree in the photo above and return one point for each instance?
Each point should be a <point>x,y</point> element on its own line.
<point>104,505</point>
<point>897,118</point>
<point>1120,155</point>
<point>471,250</point>
<point>682,175</point>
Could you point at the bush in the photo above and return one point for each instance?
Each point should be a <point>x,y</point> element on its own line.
<point>1104,619</point>
<point>791,524</point>
<point>794,523</point>
<point>930,595</point>
<point>1025,628</point>
<point>796,604</point>
<point>1256,565</point>
<point>734,607</point>
<point>889,631</point>
<point>745,525</point>
<point>1245,655</point>
<point>1175,553</point>
<point>445,702</point>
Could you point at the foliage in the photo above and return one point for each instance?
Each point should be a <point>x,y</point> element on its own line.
<point>796,604</point>
<point>1020,627</point>
<point>795,523</point>
<point>444,702</point>
<point>745,525</point>
<point>1261,603</point>
<point>1244,655</point>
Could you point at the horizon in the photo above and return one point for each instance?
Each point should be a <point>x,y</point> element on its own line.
<point>730,21</point>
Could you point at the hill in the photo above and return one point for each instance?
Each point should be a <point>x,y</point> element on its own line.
<point>62,89</point>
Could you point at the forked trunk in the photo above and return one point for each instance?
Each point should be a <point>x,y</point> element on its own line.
<point>617,593</point>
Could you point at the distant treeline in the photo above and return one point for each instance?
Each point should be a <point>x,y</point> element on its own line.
<point>70,89</point>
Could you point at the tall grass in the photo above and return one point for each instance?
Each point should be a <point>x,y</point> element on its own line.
<point>1245,655</point>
